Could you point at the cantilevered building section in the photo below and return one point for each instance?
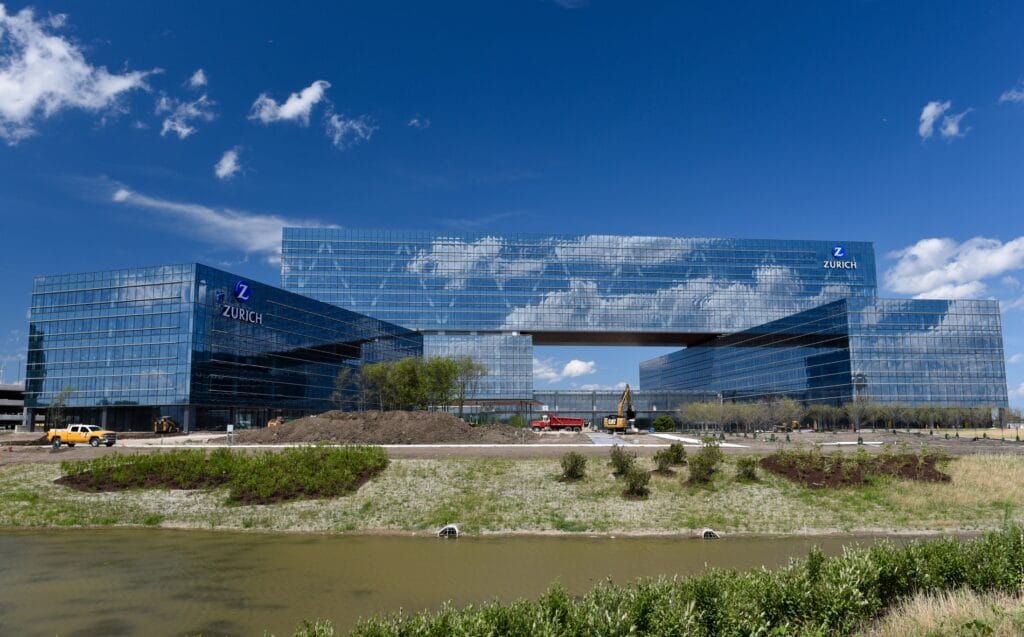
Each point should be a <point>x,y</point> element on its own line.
<point>908,351</point>
<point>194,343</point>
<point>495,297</point>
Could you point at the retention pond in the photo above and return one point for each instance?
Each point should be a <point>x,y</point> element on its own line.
<point>151,582</point>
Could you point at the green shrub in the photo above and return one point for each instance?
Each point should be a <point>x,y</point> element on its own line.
<point>517,421</point>
<point>663,460</point>
<point>663,423</point>
<point>636,482</point>
<point>746,468</point>
<point>622,460</point>
<point>704,463</point>
<point>816,596</point>
<point>678,453</point>
<point>574,466</point>
<point>258,478</point>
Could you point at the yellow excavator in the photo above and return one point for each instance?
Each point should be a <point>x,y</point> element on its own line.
<point>626,415</point>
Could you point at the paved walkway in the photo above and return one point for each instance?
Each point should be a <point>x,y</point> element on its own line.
<point>693,442</point>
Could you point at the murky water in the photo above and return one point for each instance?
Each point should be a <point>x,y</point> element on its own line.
<point>119,582</point>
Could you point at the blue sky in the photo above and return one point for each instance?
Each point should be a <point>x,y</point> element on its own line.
<point>900,123</point>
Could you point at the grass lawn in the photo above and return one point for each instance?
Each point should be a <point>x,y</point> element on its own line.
<point>498,496</point>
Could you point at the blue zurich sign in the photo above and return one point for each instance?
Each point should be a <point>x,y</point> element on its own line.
<point>243,292</point>
<point>838,252</point>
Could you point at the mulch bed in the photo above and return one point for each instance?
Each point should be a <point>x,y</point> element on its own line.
<point>835,471</point>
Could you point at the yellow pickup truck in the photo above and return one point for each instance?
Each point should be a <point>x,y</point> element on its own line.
<point>75,434</point>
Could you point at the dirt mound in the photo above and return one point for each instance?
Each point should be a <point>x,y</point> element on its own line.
<point>389,428</point>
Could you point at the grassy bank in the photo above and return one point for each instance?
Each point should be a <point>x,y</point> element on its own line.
<point>500,496</point>
<point>933,588</point>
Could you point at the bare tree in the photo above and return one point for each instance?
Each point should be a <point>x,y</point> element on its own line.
<point>469,375</point>
<point>56,414</point>
<point>343,395</point>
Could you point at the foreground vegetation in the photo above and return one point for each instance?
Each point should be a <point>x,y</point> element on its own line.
<point>816,596</point>
<point>488,495</point>
<point>259,478</point>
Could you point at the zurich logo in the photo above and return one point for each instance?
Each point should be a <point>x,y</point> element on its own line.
<point>838,252</point>
<point>219,295</point>
<point>242,291</point>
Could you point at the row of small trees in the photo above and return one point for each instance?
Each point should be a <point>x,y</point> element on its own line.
<point>408,384</point>
<point>855,415</point>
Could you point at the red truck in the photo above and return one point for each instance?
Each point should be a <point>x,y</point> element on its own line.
<point>550,422</point>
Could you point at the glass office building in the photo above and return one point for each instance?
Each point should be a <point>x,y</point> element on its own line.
<point>494,297</point>
<point>201,345</point>
<point>908,351</point>
<point>564,289</point>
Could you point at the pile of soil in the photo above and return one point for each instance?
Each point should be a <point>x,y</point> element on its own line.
<point>390,428</point>
<point>823,471</point>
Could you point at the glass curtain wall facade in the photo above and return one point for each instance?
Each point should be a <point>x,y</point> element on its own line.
<point>493,297</point>
<point>548,285</point>
<point>203,346</point>
<point>885,350</point>
<point>509,362</point>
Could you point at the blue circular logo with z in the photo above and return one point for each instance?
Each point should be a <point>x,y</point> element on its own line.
<point>242,291</point>
<point>839,252</point>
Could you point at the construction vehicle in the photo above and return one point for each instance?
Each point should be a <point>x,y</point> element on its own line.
<point>165,425</point>
<point>551,422</point>
<point>626,415</point>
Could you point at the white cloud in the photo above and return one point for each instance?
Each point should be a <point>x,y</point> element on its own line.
<point>1017,393</point>
<point>951,125</point>
<point>942,268</point>
<point>247,231</point>
<point>576,367</point>
<point>1016,358</point>
<point>1014,95</point>
<point>228,165</point>
<point>183,114</point>
<point>547,370</point>
<point>42,73</point>
<point>198,79</point>
<point>419,122</point>
<point>931,112</point>
<point>297,107</point>
<point>345,132</point>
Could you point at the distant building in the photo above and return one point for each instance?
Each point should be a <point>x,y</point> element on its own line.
<point>12,405</point>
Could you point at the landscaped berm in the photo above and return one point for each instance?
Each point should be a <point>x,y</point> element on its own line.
<point>391,428</point>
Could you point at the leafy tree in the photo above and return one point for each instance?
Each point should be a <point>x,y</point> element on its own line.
<point>377,386</point>
<point>664,422</point>
<point>441,375</point>
<point>409,382</point>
